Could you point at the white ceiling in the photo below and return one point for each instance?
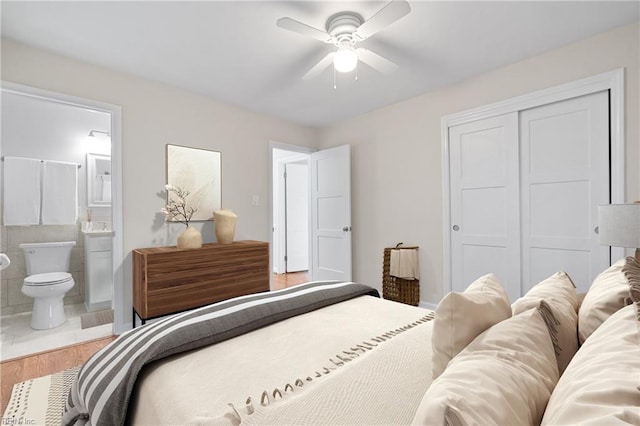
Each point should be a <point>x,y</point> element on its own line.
<point>233,51</point>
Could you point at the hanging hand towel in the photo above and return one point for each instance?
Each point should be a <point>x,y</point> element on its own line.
<point>404,264</point>
<point>59,193</point>
<point>21,191</point>
<point>106,188</point>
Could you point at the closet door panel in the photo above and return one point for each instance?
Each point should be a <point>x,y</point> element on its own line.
<point>483,154</point>
<point>559,135</point>
<point>481,259</point>
<point>547,261</point>
<point>557,211</point>
<point>564,177</point>
<point>484,201</point>
<point>484,213</point>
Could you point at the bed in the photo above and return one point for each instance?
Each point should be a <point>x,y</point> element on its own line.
<point>317,353</point>
<point>335,353</point>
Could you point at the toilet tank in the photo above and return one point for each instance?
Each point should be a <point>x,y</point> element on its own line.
<point>47,257</point>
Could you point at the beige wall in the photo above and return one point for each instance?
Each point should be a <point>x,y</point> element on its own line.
<point>153,115</point>
<point>397,153</point>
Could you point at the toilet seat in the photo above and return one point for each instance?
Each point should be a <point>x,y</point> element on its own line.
<point>49,278</point>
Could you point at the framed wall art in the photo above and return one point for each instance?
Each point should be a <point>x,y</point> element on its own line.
<point>197,171</point>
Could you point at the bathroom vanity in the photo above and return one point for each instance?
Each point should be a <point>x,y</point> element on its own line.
<point>98,275</point>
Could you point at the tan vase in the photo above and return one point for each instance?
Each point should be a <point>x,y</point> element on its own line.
<point>224,225</point>
<point>189,238</point>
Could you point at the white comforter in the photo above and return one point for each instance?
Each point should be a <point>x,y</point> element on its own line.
<point>383,385</point>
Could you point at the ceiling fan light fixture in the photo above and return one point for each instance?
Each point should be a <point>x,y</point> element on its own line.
<point>345,59</point>
<point>344,30</point>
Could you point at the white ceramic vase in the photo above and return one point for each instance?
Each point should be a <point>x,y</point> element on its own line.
<point>224,225</point>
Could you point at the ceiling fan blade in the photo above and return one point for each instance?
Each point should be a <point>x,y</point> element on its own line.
<point>376,61</point>
<point>304,29</point>
<point>319,67</point>
<point>389,14</point>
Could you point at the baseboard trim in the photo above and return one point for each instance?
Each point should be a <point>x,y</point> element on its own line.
<point>427,305</point>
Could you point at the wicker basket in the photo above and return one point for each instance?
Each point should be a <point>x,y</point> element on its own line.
<point>398,289</point>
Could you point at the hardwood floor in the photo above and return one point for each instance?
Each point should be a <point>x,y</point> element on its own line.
<point>281,281</point>
<point>29,367</point>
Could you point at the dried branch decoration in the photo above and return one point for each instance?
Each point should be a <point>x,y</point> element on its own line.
<point>176,209</point>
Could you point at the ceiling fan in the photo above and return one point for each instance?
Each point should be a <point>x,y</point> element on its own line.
<point>345,30</point>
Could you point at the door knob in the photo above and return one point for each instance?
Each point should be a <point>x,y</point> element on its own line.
<point>456,228</point>
<point>596,230</point>
<point>346,229</point>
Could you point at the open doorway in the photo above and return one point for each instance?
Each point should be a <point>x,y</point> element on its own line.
<point>327,215</point>
<point>290,247</point>
<point>76,133</point>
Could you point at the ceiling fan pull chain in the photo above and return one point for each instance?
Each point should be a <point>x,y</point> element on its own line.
<point>334,79</point>
<point>356,71</point>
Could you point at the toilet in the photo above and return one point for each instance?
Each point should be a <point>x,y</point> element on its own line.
<point>47,282</point>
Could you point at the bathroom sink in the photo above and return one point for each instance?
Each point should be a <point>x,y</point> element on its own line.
<point>97,232</point>
<point>97,229</point>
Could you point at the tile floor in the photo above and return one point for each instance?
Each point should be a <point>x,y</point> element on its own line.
<point>17,338</point>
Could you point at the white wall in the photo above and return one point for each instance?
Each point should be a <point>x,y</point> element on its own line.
<point>154,115</point>
<point>37,128</point>
<point>397,152</point>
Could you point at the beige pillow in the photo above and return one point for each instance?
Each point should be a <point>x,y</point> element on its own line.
<point>560,294</point>
<point>504,377</point>
<point>461,317</point>
<point>600,386</point>
<point>608,293</point>
<point>631,271</point>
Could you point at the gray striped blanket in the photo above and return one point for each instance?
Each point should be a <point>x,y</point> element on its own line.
<point>101,392</point>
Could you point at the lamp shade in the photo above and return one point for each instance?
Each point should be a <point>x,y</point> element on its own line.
<point>619,225</point>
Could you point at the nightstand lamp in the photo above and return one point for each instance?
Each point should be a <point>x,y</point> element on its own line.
<point>619,226</point>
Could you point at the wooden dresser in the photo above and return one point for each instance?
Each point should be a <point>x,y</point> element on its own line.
<point>168,280</point>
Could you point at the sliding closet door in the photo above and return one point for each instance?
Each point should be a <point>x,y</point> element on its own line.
<point>484,202</point>
<point>564,150</point>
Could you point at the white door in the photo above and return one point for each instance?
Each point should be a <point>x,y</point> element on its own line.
<point>279,241</point>
<point>331,214</point>
<point>484,202</point>
<point>297,216</point>
<point>564,176</point>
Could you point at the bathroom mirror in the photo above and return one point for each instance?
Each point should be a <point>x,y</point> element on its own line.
<point>197,171</point>
<point>98,180</point>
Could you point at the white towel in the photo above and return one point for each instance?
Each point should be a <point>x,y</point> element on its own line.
<point>59,193</point>
<point>106,188</point>
<point>404,264</point>
<point>21,191</point>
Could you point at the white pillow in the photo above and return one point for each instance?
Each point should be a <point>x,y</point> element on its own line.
<point>559,292</point>
<point>461,317</point>
<point>608,293</point>
<point>504,377</point>
<point>600,386</point>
